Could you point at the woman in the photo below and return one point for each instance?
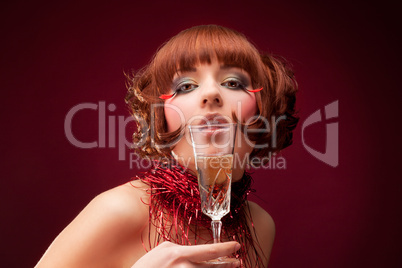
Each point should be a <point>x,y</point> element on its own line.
<point>204,74</point>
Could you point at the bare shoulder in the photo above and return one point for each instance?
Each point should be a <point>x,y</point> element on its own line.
<point>125,206</point>
<point>104,232</point>
<point>128,201</point>
<point>261,217</point>
<point>264,228</point>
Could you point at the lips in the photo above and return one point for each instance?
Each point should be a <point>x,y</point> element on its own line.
<point>214,118</point>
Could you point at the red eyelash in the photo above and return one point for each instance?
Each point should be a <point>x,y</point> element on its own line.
<point>255,90</point>
<point>166,97</point>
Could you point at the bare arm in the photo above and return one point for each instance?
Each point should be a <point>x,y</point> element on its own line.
<point>107,233</point>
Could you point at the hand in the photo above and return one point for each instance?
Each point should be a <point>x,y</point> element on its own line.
<point>169,254</point>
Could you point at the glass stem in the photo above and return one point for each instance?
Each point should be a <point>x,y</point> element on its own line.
<point>216,230</point>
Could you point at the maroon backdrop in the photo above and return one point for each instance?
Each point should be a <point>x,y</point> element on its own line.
<point>58,55</point>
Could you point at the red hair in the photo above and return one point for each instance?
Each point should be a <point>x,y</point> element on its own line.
<point>203,44</point>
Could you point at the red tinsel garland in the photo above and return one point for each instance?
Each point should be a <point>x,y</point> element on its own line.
<point>175,211</point>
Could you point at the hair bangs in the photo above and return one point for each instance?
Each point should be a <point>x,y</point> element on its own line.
<point>196,46</point>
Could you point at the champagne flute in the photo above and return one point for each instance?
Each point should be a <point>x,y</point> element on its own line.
<point>213,146</point>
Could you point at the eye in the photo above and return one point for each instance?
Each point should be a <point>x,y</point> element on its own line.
<point>234,84</point>
<point>187,87</point>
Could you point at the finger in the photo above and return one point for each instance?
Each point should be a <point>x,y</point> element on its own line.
<point>210,251</point>
<point>220,265</point>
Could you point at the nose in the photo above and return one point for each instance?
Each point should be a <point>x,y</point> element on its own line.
<point>211,95</point>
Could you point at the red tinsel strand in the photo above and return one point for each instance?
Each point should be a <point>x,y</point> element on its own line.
<point>170,185</point>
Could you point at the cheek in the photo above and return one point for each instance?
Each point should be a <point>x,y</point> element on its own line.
<point>176,113</point>
<point>245,106</point>
<point>246,109</point>
<point>249,107</point>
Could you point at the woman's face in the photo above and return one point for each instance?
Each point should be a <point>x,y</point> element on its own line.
<point>208,92</point>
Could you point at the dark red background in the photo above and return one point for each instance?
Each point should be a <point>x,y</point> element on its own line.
<point>57,55</point>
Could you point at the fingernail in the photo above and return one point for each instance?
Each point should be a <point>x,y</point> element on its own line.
<point>237,247</point>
